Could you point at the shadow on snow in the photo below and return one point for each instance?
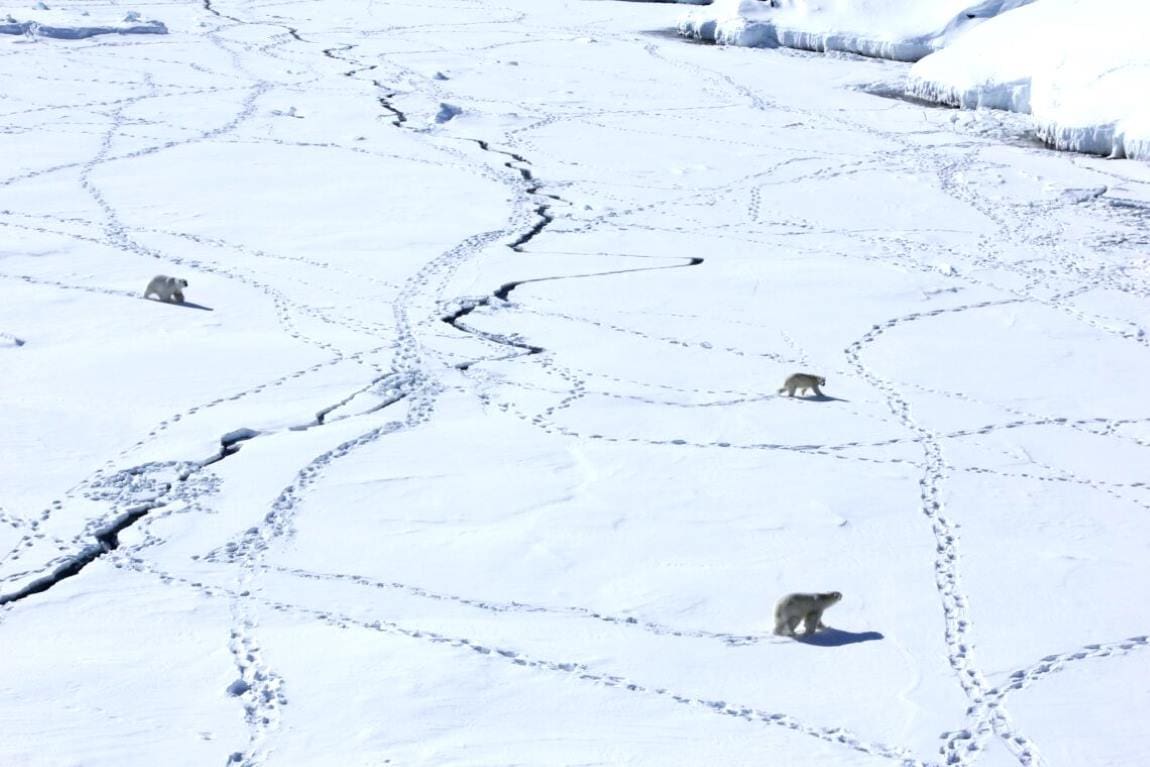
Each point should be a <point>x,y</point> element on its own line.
<point>832,637</point>
<point>185,305</point>
<point>819,398</point>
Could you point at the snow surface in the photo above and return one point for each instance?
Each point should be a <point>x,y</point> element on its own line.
<point>308,521</point>
<point>76,22</point>
<point>1082,69</point>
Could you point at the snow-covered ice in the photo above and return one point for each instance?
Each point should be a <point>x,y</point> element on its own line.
<point>75,22</point>
<point>904,30</point>
<point>466,448</point>
<point>1081,68</point>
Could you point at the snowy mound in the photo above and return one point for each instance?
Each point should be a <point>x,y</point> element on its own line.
<point>74,24</point>
<point>1081,68</point>
<point>905,30</point>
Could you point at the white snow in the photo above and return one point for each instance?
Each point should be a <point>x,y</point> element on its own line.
<point>320,524</point>
<point>1081,68</point>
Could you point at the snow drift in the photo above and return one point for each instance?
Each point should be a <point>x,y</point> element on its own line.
<point>1081,69</point>
<point>904,30</point>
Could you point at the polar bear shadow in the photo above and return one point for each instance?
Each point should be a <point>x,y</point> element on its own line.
<point>184,305</point>
<point>818,398</point>
<point>832,637</point>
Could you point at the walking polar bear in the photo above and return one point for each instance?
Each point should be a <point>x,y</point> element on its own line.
<point>802,382</point>
<point>167,288</point>
<point>807,608</point>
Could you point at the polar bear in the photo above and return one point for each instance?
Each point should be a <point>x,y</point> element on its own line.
<point>167,288</point>
<point>802,382</point>
<point>803,607</point>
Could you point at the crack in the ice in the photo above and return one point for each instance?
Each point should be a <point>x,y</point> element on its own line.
<point>107,537</point>
<point>517,162</point>
<point>210,8</point>
<point>398,116</point>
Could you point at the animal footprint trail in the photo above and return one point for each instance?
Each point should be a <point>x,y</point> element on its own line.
<point>32,280</point>
<point>496,606</point>
<point>540,421</point>
<point>259,689</point>
<point>835,735</point>
<point>251,545</point>
<point>1052,664</point>
<point>287,311</point>
<point>65,563</point>
<point>1103,426</point>
<point>116,234</point>
<point>956,750</point>
<point>243,394</point>
<point>571,669</point>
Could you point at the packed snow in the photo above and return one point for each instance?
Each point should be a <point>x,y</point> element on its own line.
<point>466,447</point>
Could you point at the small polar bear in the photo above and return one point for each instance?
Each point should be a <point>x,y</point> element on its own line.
<point>167,288</point>
<point>807,608</point>
<point>802,382</point>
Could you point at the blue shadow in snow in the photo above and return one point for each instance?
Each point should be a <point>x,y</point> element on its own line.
<point>817,398</point>
<point>184,305</point>
<point>830,637</point>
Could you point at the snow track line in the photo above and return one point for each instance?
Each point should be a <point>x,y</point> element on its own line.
<point>835,735</point>
<point>282,302</point>
<point>947,171</point>
<point>1052,664</point>
<point>282,305</point>
<point>961,747</point>
<point>253,543</point>
<point>259,688</point>
<point>672,340</point>
<point>117,235</point>
<point>574,670</point>
<point>523,607</point>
